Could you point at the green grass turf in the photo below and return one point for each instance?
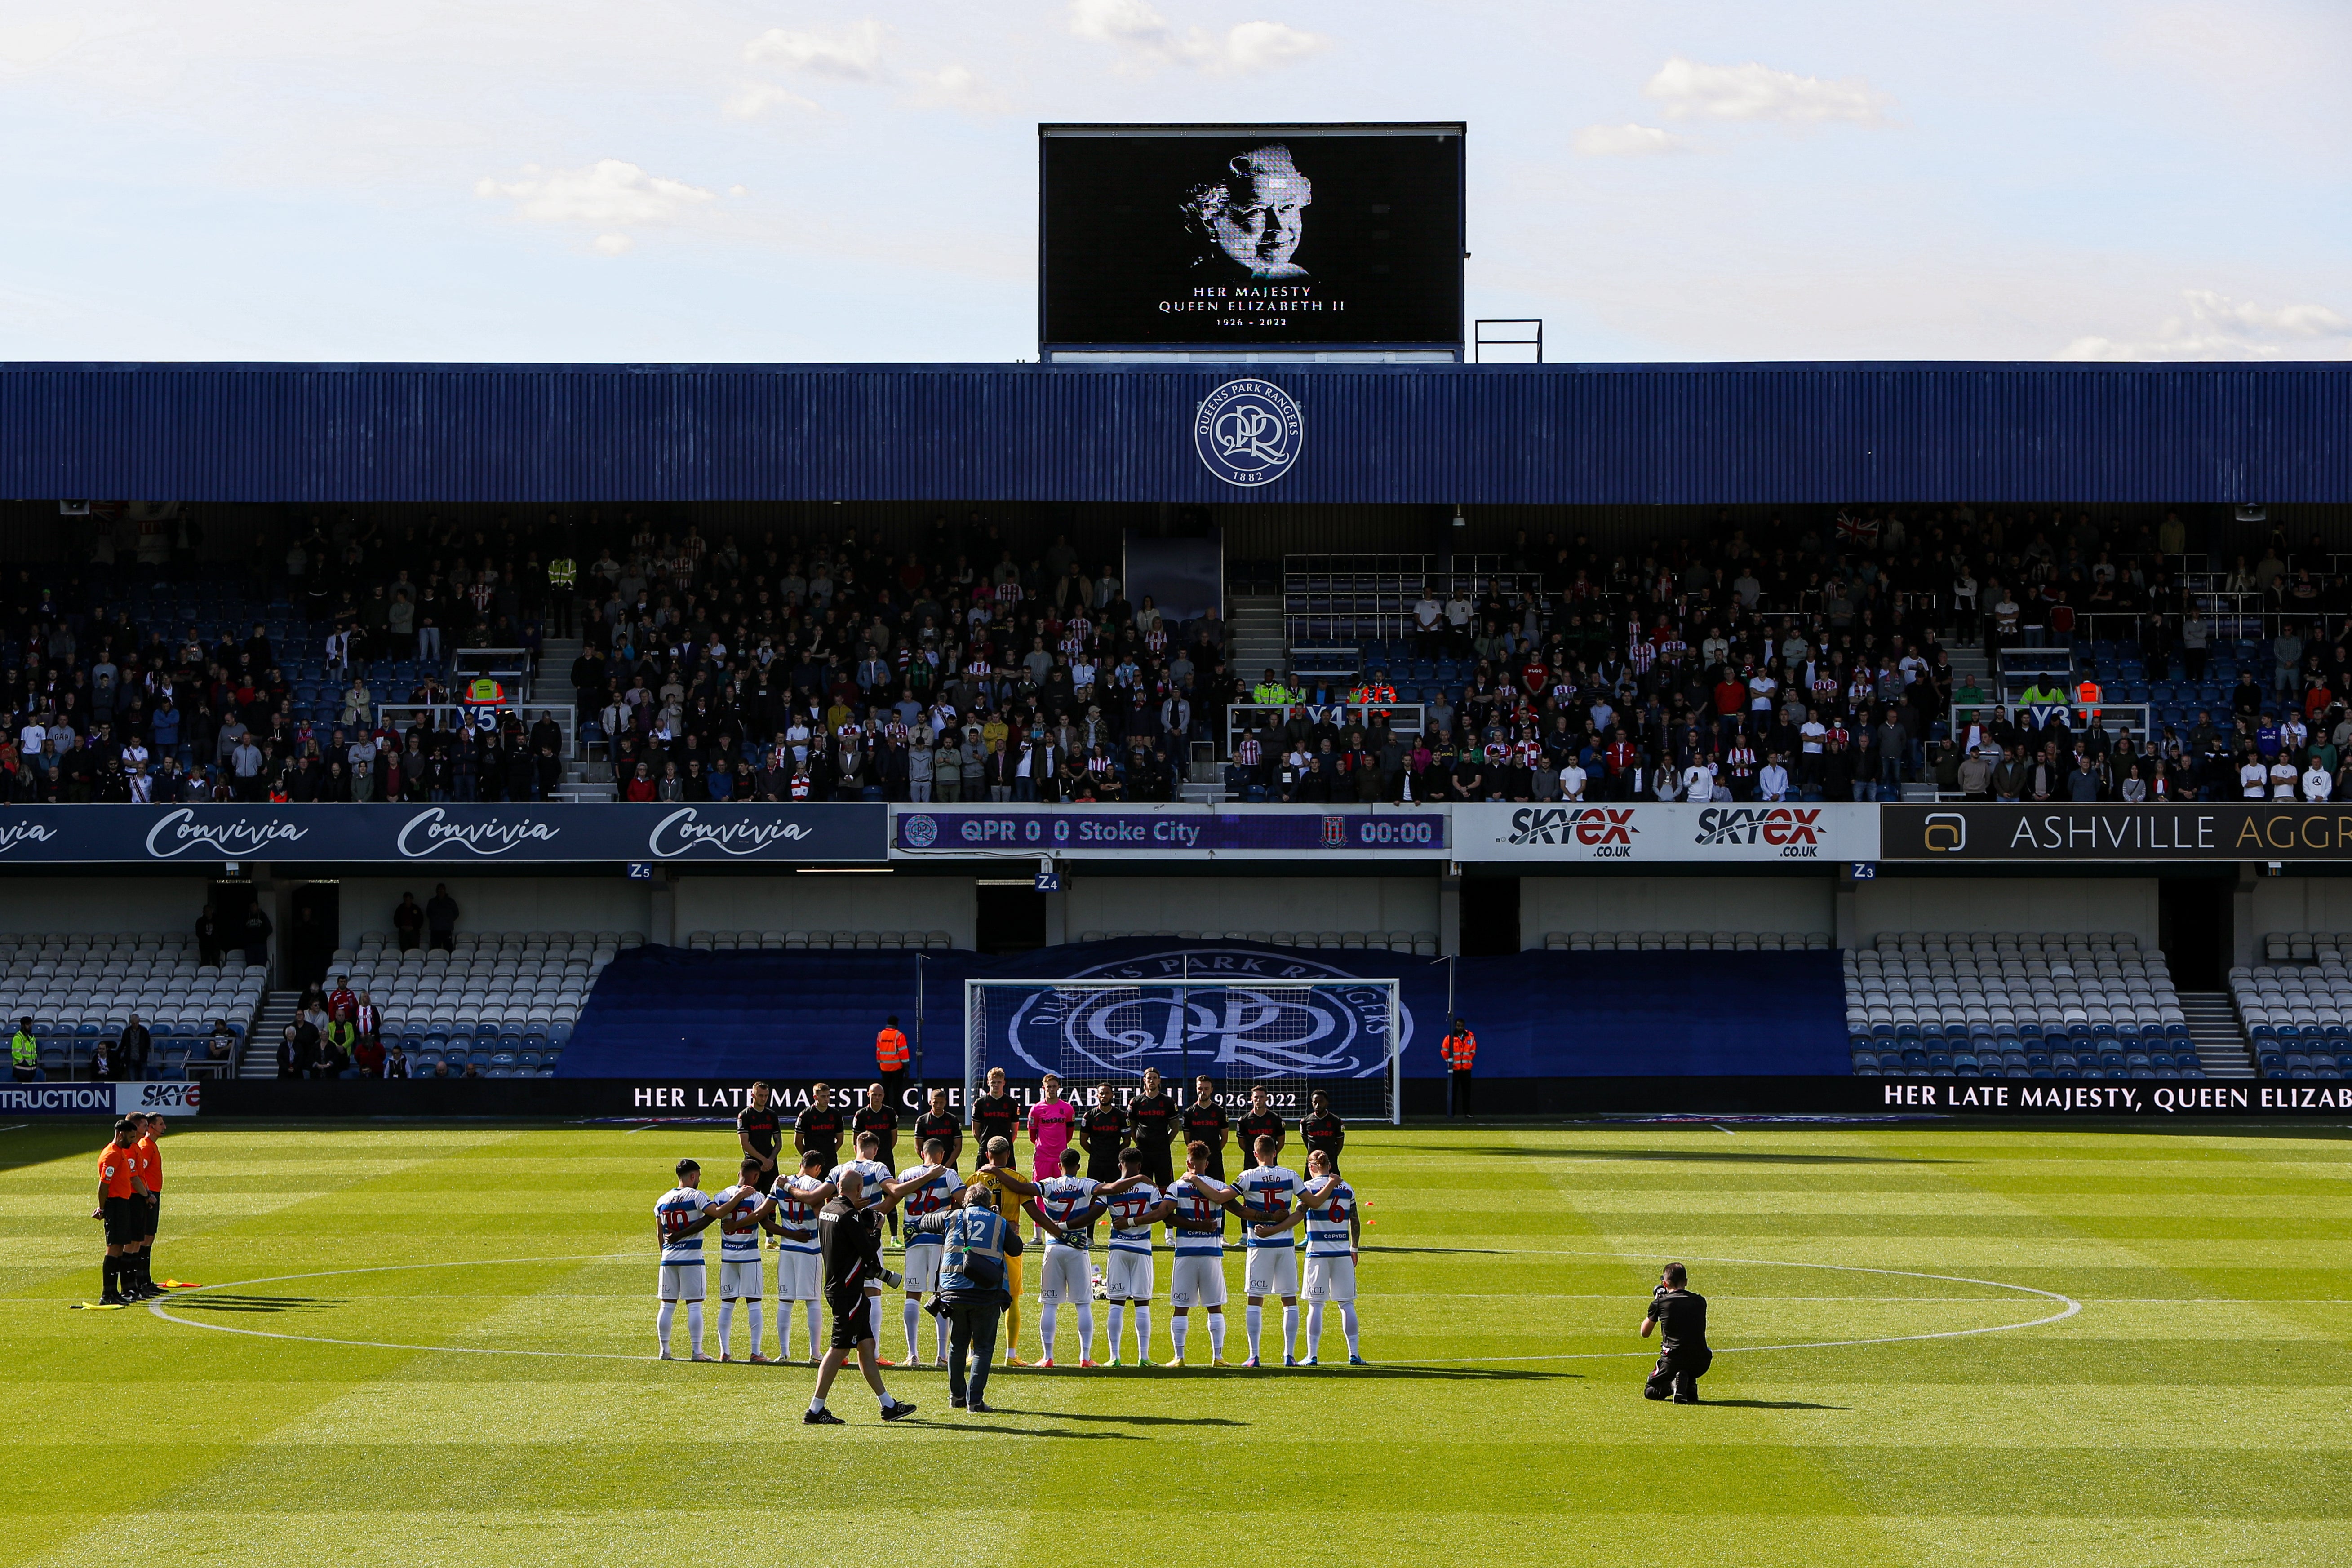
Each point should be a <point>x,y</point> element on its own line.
<point>2194,1410</point>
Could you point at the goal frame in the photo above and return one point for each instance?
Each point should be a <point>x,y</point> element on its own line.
<point>975,1017</point>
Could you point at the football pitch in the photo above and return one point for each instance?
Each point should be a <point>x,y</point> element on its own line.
<point>1937,1343</point>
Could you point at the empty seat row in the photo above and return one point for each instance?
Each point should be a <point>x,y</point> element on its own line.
<point>2307,947</point>
<point>1686,941</point>
<point>1420,942</point>
<point>796,941</point>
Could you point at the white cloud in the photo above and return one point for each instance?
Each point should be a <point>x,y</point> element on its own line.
<point>761,97</point>
<point>610,194</point>
<point>958,87</point>
<point>1147,40</point>
<point>1690,90</point>
<point>612,244</point>
<point>1628,141</point>
<point>25,44</point>
<point>2216,327</point>
<point>849,54</point>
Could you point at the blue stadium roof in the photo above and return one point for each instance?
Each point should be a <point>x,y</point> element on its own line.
<point>1442,434</point>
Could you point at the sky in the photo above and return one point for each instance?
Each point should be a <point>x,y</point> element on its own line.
<point>765,180</point>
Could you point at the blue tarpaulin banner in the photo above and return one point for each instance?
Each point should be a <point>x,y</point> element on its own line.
<point>667,1011</point>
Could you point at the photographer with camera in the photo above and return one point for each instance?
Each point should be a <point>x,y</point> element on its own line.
<point>971,1293</point>
<point>1679,1315</point>
<point>849,1235</point>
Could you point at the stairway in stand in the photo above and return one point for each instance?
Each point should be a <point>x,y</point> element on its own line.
<point>259,1059</point>
<point>1257,640</point>
<point>2213,1030</point>
<point>582,780</point>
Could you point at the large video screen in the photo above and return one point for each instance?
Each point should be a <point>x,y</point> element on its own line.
<point>1250,236</point>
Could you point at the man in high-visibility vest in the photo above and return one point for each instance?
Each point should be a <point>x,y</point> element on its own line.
<point>1459,1049</point>
<point>25,1053</point>
<point>1271,692</point>
<point>2087,697</point>
<point>562,576</point>
<point>890,1059</point>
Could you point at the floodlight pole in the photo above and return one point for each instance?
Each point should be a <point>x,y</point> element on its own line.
<point>1184,1025</point>
<point>921,1085</point>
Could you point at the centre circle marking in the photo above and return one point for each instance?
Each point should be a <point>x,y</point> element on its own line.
<point>2072,1307</point>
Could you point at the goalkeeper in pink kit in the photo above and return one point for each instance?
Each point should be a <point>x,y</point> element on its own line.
<point>1053,1121</point>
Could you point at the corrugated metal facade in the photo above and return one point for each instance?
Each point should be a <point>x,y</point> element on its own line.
<point>1565,434</point>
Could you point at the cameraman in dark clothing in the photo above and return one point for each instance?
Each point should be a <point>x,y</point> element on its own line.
<point>1679,1315</point>
<point>851,1242</point>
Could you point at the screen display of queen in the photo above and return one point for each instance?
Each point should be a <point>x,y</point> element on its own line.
<point>1259,236</point>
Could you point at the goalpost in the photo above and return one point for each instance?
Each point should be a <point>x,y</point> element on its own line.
<point>1292,1037</point>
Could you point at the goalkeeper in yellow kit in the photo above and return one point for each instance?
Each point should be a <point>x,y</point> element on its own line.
<point>1013,1192</point>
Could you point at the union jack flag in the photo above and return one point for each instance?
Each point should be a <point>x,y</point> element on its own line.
<point>1861,532</point>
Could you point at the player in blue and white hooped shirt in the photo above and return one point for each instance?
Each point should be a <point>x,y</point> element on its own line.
<point>681,1216</point>
<point>1196,1204</point>
<point>935,1186</point>
<point>740,1265</point>
<point>1070,1203</point>
<point>1327,1208</point>
<point>791,1219</point>
<point>1271,1268</point>
<point>1132,1204</point>
<point>881,1188</point>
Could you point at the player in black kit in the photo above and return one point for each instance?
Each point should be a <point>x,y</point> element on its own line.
<point>760,1132</point>
<point>939,1123</point>
<point>1679,1315</point>
<point>1102,1133</point>
<point>1262,1120</point>
<point>818,1130</point>
<point>879,1118</point>
<point>1319,1129</point>
<point>1205,1122</point>
<point>996,1114</point>
<point>1152,1115</point>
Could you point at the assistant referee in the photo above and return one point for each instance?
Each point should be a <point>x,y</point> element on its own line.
<point>123,1205</point>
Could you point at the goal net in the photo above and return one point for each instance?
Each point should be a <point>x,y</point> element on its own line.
<point>1292,1037</point>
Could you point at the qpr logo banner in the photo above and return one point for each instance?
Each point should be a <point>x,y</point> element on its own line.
<point>1201,1011</point>
<point>1247,431</point>
<point>1659,832</point>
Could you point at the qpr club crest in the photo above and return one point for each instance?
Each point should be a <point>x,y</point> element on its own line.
<point>1248,432</point>
<point>1219,1022</point>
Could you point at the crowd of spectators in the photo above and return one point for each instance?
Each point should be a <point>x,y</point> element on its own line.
<point>1813,663</point>
<point>768,668</point>
<point>1800,660</point>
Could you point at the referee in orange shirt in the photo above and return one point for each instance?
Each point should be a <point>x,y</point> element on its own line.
<point>890,1059</point>
<point>122,1204</point>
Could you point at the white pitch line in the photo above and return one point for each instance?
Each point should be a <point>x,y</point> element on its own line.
<point>2073,1307</point>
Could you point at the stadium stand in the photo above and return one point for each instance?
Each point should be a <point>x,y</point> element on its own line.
<point>82,988</point>
<point>504,1003</point>
<point>2293,1008</point>
<point>2011,1005</point>
<point>1686,941</point>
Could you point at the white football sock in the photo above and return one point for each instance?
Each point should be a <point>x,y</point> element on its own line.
<point>1046,1315</point>
<point>914,1318</point>
<point>1290,1331</point>
<point>1085,1330</point>
<point>759,1344</point>
<point>1348,1321</point>
<point>726,1326</point>
<point>1176,1327</point>
<point>1255,1317</point>
<point>816,1331</point>
<point>662,1320</point>
<point>784,1328</point>
<point>694,1327</point>
<point>1118,1326</point>
<point>1217,1333</point>
<point>1143,1331</point>
<point>1314,1329</point>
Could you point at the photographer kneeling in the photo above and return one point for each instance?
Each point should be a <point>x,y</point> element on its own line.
<point>1679,1315</point>
<point>971,1294</point>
